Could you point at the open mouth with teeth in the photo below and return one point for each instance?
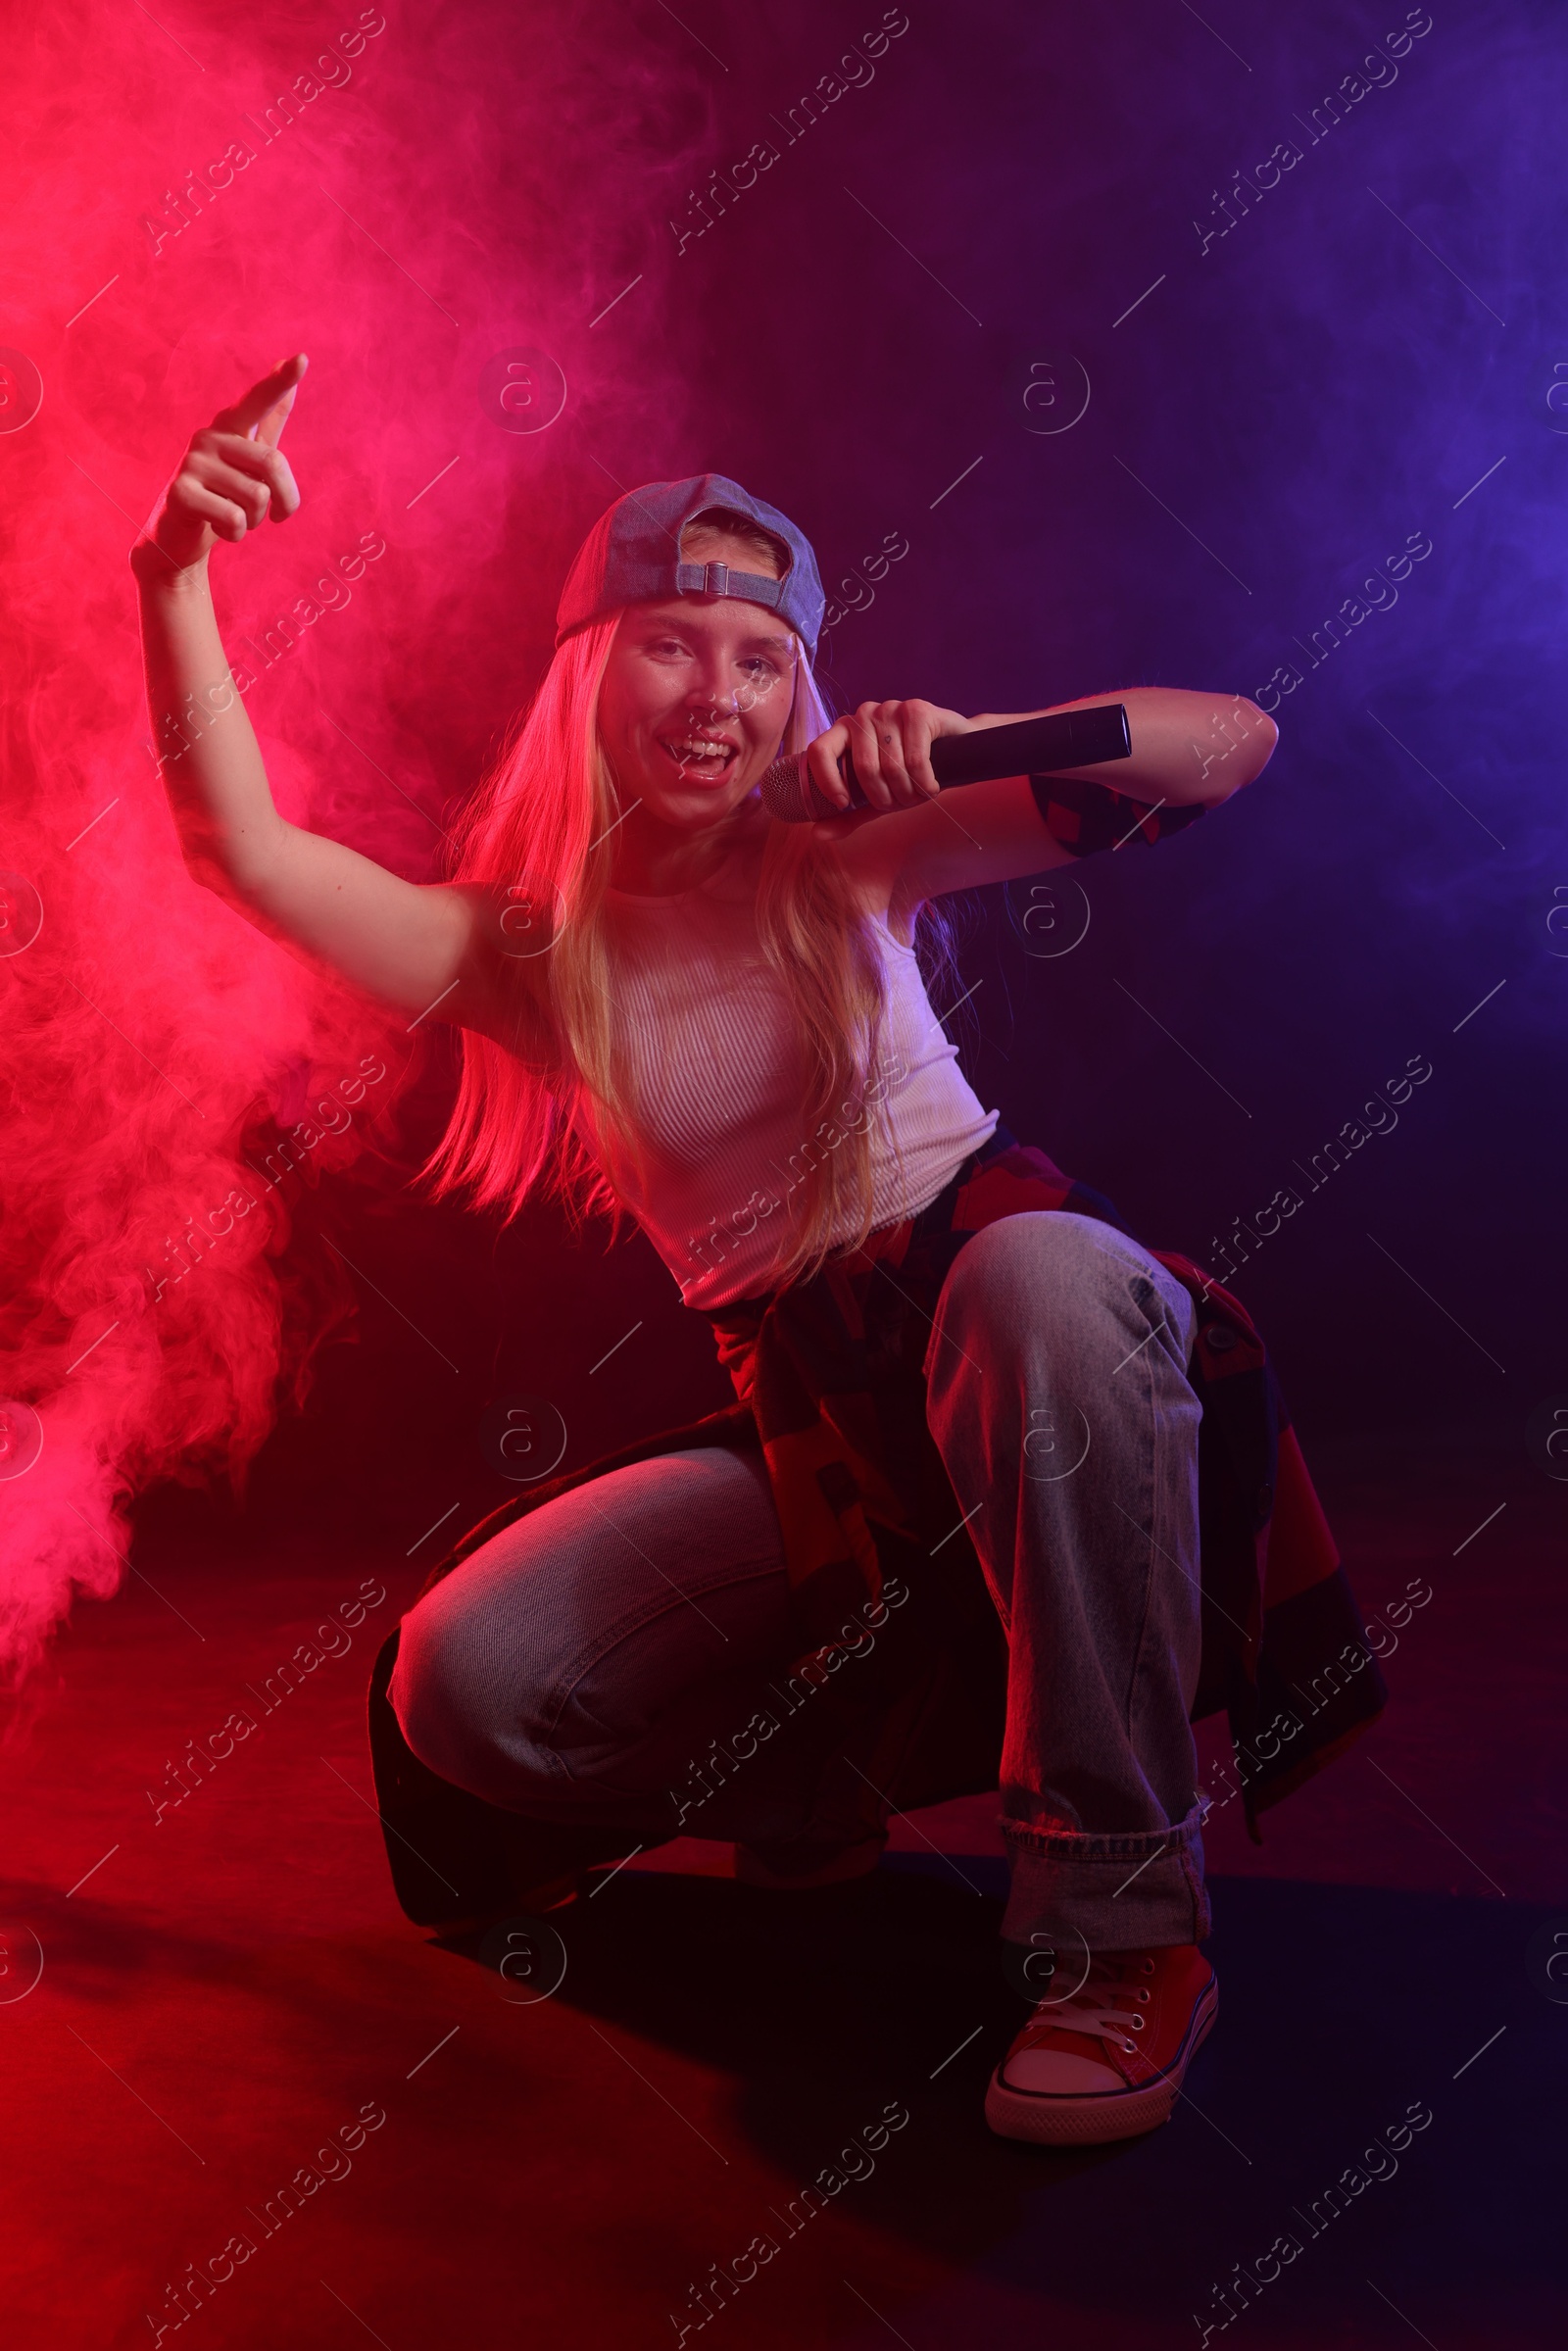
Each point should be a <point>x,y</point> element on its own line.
<point>711,758</point>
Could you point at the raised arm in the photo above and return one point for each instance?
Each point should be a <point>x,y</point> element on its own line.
<point>1187,748</point>
<point>1186,745</point>
<point>420,946</point>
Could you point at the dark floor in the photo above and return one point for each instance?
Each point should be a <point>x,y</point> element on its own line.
<point>225,1985</point>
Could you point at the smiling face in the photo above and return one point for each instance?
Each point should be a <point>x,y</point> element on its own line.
<point>696,696</point>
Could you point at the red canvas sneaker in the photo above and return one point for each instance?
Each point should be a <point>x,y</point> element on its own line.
<point>1108,2061</point>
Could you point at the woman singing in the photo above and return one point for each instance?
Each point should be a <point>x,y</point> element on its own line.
<point>959,1500</point>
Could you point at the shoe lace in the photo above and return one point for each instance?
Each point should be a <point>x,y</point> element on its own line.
<point>1110,2004</point>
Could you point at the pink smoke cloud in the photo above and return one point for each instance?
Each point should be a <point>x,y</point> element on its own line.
<point>404,195</point>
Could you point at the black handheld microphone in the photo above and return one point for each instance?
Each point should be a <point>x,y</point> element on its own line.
<point>1029,747</point>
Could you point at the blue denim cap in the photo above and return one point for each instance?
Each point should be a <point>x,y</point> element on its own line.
<point>639,560</point>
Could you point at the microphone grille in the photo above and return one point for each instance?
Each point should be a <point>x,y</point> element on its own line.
<point>785,793</point>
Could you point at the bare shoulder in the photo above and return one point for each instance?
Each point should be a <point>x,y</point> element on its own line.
<point>869,850</point>
<point>503,986</point>
<point>960,841</point>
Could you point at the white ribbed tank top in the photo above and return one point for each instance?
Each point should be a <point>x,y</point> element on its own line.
<point>718,1086</point>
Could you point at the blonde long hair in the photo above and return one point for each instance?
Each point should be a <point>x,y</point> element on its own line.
<point>540,827</point>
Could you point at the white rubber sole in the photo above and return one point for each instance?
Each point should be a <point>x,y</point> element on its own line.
<point>1115,2114</point>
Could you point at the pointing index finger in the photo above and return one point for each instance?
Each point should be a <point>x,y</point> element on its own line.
<point>262,412</point>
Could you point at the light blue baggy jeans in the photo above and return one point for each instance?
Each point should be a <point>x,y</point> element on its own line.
<point>613,1657</point>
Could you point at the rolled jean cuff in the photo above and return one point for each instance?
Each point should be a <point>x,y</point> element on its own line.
<point>1119,1893</point>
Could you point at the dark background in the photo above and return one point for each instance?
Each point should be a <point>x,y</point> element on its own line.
<point>1315,386</point>
<point>1267,421</point>
<point>1019,207</point>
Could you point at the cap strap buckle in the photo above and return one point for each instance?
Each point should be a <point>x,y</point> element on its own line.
<point>717,579</point>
